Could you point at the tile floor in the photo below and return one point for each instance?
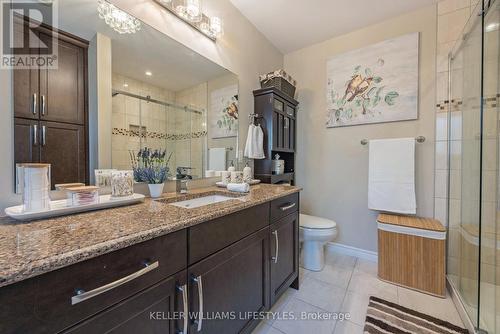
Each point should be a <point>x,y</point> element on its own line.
<point>345,285</point>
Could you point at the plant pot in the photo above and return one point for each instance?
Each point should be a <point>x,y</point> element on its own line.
<point>155,190</point>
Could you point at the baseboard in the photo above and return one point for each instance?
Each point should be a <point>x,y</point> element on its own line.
<point>352,251</point>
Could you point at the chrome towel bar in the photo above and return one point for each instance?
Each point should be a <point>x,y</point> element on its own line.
<point>419,139</point>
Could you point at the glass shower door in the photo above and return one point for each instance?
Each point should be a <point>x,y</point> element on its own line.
<point>465,167</point>
<point>489,301</point>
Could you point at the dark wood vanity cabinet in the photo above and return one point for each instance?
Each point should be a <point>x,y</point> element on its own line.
<point>284,238</point>
<point>227,269</point>
<point>284,254</point>
<point>277,115</point>
<point>158,309</point>
<point>50,108</point>
<point>231,283</point>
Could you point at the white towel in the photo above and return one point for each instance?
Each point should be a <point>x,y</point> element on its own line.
<point>239,187</point>
<point>254,147</point>
<point>217,158</point>
<point>391,183</point>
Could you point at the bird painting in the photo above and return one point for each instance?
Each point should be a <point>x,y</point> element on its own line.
<point>232,109</point>
<point>357,87</point>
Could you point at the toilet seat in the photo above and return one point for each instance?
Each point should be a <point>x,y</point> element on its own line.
<point>316,223</point>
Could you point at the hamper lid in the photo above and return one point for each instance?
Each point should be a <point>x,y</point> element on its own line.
<point>411,221</point>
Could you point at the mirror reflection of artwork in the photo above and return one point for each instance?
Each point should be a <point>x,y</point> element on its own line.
<point>224,105</point>
<point>374,84</point>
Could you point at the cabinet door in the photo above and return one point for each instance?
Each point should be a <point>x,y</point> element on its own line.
<point>63,146</point>
<point>62,90</point>
<point>286,132</point>
<point>157,310</point>
<point>26,97</point>
<point>284,254</point>
<point>229,284</point>
<point>27,140</point>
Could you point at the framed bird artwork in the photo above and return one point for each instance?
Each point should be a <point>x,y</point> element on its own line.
<point>224,112</point>
<point>374,84</point>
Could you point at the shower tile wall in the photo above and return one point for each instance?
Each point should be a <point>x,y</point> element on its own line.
<point>129,112</point>
<point>186,130</point>
<point>452,18</point>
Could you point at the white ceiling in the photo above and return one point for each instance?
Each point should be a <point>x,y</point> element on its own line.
<point>174,66</point>
<point>293,24</point>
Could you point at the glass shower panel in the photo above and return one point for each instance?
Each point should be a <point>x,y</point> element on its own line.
<point>489,280</point>
<point>465,167</point>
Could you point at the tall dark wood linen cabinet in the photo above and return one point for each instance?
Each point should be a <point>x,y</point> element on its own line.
<point>51,108</point>
<point>277,115</point>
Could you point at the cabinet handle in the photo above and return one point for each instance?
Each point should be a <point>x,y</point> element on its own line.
<point>43,104</point>
<point>199,282</point>
<point>183,289</point>
<point>34,101</point>
<point>288,207</point>
<point>275,257</point>
<point>35,134</point>
<point>44,135</point>
<point>82,295</point>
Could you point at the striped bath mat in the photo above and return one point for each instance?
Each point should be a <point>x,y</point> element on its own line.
<point>385,317</point>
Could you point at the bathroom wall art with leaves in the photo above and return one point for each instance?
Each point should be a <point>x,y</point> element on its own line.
<point>374,84</point>
<point>224,106</point>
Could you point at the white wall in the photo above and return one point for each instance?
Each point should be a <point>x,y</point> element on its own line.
<point>332,165</point>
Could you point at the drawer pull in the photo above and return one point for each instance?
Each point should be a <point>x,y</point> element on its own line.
<point>199,322</point>
<point>288,207</point>
<point>275,257</point>
<point>184,289</point>
<point>82,295</point>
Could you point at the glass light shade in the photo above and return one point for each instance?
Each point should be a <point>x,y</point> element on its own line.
<point>216,25</point>
<point>205,25</point>
<point>193,10</point>
<point>117,19</point>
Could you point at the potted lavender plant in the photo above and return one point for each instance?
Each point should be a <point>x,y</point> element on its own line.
<point>151,167</point>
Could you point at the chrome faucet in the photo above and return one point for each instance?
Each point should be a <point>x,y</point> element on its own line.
<point>181,186</point>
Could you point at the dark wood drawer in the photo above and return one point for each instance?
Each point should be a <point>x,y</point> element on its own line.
<point>150,311</point>
<point>210,237</point>
<point>45,304</point>
<point>284,206</point>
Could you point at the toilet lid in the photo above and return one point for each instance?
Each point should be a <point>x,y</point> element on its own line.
<point>314,222</point>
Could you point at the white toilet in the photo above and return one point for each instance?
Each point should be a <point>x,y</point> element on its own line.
<point>314,233</point>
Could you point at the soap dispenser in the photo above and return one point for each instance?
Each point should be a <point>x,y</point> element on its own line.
<point>231,167</point>
<point>247,174</point>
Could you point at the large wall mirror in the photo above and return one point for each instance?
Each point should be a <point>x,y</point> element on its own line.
<point>144,91</point>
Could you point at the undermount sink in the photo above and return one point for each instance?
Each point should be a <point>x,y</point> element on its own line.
<point>202,201</point>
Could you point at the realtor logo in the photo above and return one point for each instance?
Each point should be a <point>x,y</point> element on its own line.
<point>27,39</point>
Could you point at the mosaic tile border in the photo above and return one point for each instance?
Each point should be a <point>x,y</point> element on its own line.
<point>158,135</point>
<point>488,102</point>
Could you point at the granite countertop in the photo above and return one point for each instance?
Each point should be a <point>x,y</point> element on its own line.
<point>32,248</point>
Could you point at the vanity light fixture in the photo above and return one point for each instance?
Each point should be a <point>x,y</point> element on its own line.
<point>190,11</point>
<point>117,19</point>
<point>149,73</point>
<point>125,85</point>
